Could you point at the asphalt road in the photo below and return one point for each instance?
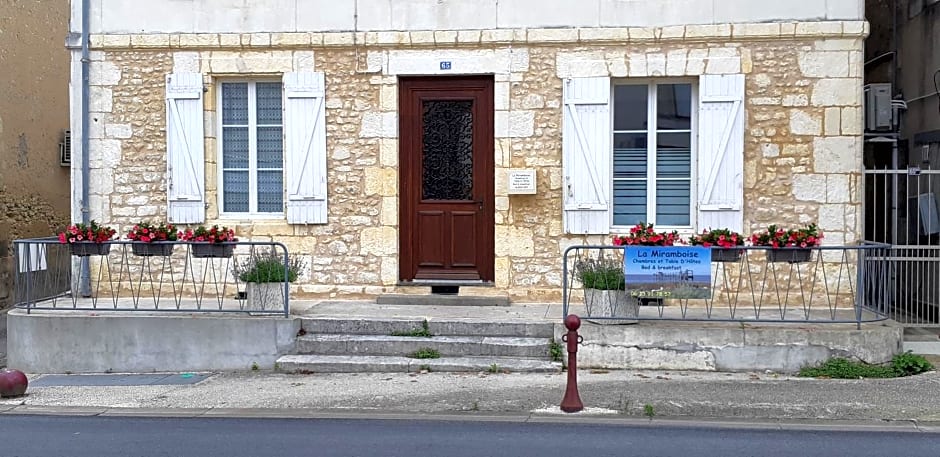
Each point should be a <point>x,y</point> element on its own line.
<point>45,436</point>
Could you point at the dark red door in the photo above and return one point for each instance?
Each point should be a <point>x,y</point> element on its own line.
<point>446,170</point>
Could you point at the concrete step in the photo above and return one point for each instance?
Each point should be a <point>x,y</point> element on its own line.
<point>345,344</point>
<point>386,364</point>
<point>442,300</point>
<point>453,326</point>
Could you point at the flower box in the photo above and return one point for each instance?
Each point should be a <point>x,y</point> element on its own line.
<point>212,250</point>
<point>88,248</point>
<point>726,255</point>
<point>152,249</point>
<point>789,255</point>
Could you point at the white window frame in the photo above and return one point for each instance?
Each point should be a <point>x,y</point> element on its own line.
<point>651,131</point>
<point>253,212</point>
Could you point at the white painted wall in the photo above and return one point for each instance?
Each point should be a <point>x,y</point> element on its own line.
<point>221,16</point>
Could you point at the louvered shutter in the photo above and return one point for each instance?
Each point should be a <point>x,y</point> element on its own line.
<point>721,152</point>
<point>185,146</point>
<point>586,152</point>
<point>305,147</point>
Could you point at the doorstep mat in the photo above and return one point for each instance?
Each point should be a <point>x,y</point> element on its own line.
<point>104,380</point>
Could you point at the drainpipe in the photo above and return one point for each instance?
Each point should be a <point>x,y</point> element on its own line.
<point>84,276</point>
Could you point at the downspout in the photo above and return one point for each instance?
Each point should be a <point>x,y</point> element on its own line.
<point>84,276</point>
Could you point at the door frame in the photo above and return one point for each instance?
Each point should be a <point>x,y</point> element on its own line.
<point>484,141</point>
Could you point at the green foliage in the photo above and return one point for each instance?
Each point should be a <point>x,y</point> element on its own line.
<point>494,368</point>
<point>905,364</point>
<point>426,368</point>
<point>649,411</point>
<point>423,332</point>
<point>254,366</point>
<point>556,351</point>
<point>425,353</point>
<point>908,364</point>
<point>600,274</point>
<point>269,267</point>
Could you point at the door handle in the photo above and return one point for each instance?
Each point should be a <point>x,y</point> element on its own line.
<point>479,202</point>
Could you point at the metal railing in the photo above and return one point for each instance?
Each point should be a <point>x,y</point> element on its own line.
<point>902,209</point>
<point>239,277</point>
<point>835,284</point>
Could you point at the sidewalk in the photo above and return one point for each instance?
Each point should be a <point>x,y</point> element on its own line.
<point>614,394</point>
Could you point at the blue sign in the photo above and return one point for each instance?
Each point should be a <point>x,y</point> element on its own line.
<point>445,65</point>
<point>668,272</point>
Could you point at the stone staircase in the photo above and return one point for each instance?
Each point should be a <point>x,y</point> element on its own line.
<point>354,344</point>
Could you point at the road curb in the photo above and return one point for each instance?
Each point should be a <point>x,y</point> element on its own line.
<point>911,426</point>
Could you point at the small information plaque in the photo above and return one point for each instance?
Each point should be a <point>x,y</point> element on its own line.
<point>522,182</point>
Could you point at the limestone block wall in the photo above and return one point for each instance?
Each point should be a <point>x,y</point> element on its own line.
<point>802,140</point>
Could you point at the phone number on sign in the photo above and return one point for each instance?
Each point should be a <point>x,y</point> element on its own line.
<point>651,293</point>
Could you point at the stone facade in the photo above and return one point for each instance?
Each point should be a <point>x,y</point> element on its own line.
<point>802,141</point>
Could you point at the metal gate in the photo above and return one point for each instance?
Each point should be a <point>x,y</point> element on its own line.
<point>901,209</point>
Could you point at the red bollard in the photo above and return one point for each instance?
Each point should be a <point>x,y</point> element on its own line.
<point>572,401</point>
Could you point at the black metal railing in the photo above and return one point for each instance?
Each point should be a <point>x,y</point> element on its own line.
<point>827,284</point>
<point>238,277</point>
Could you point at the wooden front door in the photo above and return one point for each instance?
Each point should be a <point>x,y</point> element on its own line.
<point>446,171</point>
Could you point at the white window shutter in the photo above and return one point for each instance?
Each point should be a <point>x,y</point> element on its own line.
<point>586,155</point>
<point>721,152</point>
<point>305,147</point>
<point>186,157</point>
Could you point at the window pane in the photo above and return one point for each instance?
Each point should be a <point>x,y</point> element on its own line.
<point>235,186</point>
<point>673,202</point>
<point>235,103</point>
<point>235,147</point>
<point>269,103</point>
<point>629,202</point>
<point>673,155</point>
<point>630,107</point>
<point>447,150</point>
<point>270,192</point>
<point>270,147</point>
<point>630,155</point>
<point>674,107</point>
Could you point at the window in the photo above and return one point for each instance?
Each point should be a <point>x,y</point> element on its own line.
<point>652,154</point>
<point>252,148</point>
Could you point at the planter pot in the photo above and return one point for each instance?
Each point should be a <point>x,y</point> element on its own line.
<point>204,250</point>
<point>265,295</point>
<point>152,249</point>
<point>789,255</point>
<point>87,248</point>
<point>610,303</point>
<point>726,255</point>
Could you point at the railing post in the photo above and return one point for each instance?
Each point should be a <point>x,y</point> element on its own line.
<point>572,401</point>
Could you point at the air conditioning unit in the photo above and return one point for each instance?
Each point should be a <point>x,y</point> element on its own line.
<point>879,114</point>
<point>65,149</point>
